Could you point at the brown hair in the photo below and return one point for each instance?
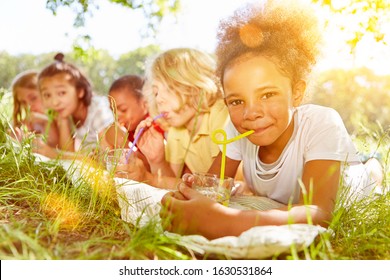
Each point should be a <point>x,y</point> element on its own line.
<point>27,79</point>
<point>285,31</point>
<point>78,79</point>
<point>133,83</point>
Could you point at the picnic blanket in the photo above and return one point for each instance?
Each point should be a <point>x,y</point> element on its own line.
<point>140,204</point>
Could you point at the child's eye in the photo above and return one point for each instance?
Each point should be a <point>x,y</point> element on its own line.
<point>61,93</point>
<point>46,95</point>
<point>268,95</point>
<point>155,91</point>
<point>235,102</point>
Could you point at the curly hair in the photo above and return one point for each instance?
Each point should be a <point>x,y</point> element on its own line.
<point>27,79</point>
<point>287,32</point>
<point>189,73</point>
<point>77,78</point>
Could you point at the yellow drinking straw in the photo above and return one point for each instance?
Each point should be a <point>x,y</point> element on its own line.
<point>224,142</point>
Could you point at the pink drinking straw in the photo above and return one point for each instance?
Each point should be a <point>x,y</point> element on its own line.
<point>139,135</point>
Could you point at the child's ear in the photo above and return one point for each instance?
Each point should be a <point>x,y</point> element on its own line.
<point>80,94</point>
<point>144,104</point>
<point>299,92</point>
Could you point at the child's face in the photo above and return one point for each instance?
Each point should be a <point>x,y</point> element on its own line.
<point>259,98</point>
<point>130,111</point>
<point>30,98</point>
<point>59,94</point>
<point>169,104</point>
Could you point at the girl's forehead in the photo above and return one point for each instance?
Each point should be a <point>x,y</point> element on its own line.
<point>268,63</point>
<point>254,74</point>
<point>249,56</point>
<point>124,95</point>
<point>60,77</point>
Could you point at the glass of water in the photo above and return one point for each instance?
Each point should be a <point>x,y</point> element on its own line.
<point>213,187</point>
<point>117,157</point>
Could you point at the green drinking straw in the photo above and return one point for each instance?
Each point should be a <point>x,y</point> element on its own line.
<point>224,142</point>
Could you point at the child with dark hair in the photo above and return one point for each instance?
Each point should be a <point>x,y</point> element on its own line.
<point>128,103</point>
<point>84,120</point>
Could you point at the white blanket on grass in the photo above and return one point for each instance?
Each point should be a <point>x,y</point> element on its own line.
<point>140,205</point>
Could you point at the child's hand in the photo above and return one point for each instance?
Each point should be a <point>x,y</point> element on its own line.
<point>40,147</point>
<point>188,179</point>
<point>62,122</point>
<point>17,134</point>
<point>151,142</point>
<point>188,212</point>
<point>240,188</point>
<point>134,170</point>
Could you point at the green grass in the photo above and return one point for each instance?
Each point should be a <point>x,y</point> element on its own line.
<point>46,215</point>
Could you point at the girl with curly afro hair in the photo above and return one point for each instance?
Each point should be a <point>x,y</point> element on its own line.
<point>296,154</point>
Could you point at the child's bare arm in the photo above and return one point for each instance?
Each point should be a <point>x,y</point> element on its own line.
<point>199,215</point>
<point>321,181</point>
<point>65,141</point>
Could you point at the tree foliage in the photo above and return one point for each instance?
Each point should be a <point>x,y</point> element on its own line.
<point>360,19</point>
<point>153,10</point>
<point>361,97</point>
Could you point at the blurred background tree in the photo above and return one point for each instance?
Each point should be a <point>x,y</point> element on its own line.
<point>359,19</point>
<point>98,65</point>
<point>153,10</point>
<point>361,97</point>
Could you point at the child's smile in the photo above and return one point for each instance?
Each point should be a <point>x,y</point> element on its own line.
<point>263,103</point>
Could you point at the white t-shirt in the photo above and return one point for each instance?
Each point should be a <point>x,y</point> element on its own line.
<point>99,117</point>
<point>319,134</point>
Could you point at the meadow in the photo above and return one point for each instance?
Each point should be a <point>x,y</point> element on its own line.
<point>45,215</point>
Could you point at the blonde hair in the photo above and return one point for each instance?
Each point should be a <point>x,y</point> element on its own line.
<point>27,79</point>
<point>287,32</point>
<point>189,73</point>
